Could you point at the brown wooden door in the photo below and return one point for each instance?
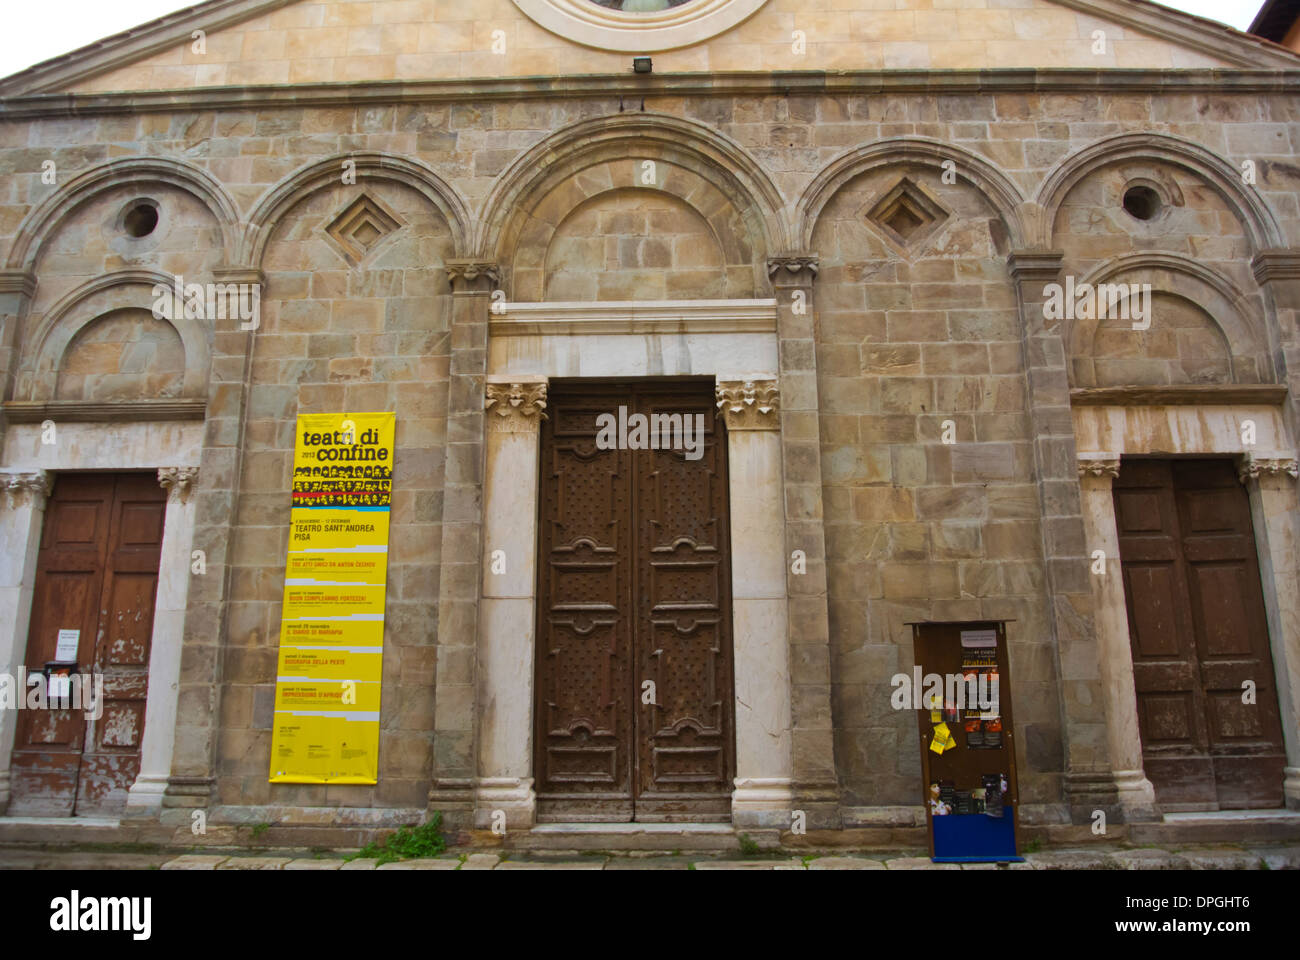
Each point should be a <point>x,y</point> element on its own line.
<point>97,572</point>
<point>1198,632</point>
<point>633,586</point>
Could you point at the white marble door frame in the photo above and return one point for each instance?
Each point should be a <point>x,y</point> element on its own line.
<point>735,342</point>
<point>1103,434</point>
<point>29,465</point>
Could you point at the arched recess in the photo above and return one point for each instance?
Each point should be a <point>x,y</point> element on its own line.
<point>46,216</point>
<point>47,343</point>
<point>1000,191</point>
<point>1257,217</point>
<point>305,181</point>
<point>1234,314</point>
<point>716,163</point>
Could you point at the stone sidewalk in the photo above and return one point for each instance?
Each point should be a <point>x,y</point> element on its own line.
<point>1202,858</point>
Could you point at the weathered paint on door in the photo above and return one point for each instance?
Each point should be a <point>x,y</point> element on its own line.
<point>1199,632</point>
<point>97,572</point>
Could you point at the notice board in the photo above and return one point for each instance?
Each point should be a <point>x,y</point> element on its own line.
<point>967,740</point>
<point>327,683</point>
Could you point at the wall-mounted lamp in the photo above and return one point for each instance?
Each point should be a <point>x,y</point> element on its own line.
<point>642,65</point>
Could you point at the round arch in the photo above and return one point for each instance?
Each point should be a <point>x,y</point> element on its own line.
<point>716,158</point>
<point>1261,225</point>
<point>307,180</point>
<point>47,215</point>
<point>970,167</point>
<point>60,324</point>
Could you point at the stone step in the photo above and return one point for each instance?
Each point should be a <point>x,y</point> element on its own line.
<point>1253,827</point>
<point>629,836</point>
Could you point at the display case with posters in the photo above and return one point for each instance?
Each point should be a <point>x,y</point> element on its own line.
<point>962,695</point>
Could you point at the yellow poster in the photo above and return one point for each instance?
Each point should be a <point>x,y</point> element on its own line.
<point>327,681</point>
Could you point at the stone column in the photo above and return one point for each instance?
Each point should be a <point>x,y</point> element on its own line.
<point>21,514</point>
<point>816,784</point>
<point>16,290</point>
<point>455,700</point>
<point>1276,514</point>
<point>760,608</point>
<point>507,636</point>
<point>192,782</point>
<point>1088,782</point>
<point>144,799</point>
<point>1137,797</point>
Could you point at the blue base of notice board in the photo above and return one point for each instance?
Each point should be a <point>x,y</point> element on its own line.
<point>975,838</point>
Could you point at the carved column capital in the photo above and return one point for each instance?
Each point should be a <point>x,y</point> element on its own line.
<point>1035,266</point>
<point>749,404</point>
<point>178,482</point>
<point>32,486</point>
<point>515,407</point>
<point>1251,467</point>
<point>1098,465</point>
<point>22,282</point>
<point>792,269</point>
<point>469,275</point>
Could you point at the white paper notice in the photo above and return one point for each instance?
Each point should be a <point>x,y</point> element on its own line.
<point>66,650</point>
<point>979,638</point>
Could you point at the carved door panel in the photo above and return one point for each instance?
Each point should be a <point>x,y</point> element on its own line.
<point>96,573</point>
<point>633,590</point>
<point>1198,632</point>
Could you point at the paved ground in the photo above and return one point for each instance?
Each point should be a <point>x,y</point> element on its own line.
<point>1192,858</point>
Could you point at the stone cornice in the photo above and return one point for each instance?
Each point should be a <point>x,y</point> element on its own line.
<point>178,482</point>
<point>634,317</point>
<point>515,406</point>
<point>20,487</point>
<point>1191,394</point>
<point>1250,466</point>
<point>607,86</point>
<point>1098,465</point>
<point>1269,265</point>
<point>80,411</point>
<point>749,404</point>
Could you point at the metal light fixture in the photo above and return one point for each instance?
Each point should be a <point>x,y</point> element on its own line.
<point>641,65</point>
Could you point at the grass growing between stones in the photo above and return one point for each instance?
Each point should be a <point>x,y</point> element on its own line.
<point>406,843</point>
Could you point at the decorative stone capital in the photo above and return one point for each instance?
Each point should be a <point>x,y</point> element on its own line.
<point>1277,264</point>
<point>515,407</point>
<point>749,404</point>
<point>472,276</point>
<point>1251,467</point>
<point>1035,266</point>
<point>1098,465</point>
<point>792,270</point>
<point>18,281</point>
<point>178,482</point>
<point>29,487</point>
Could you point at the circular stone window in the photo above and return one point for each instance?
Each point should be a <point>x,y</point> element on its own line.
<point>638,26</point>
<point>140,219</point>
<point>1142,202</point>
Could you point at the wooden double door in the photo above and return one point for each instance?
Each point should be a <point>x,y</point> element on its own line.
<point>96,581</point>
<point>634,703</point>
<point>1206,694</point>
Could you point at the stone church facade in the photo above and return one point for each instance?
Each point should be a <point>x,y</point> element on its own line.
<point>844,223</point>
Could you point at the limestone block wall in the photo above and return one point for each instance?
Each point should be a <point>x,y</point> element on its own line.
<point>915,325</point>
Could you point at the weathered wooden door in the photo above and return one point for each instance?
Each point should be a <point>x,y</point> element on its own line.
<point>1199,633</point>
<point>96,573</point>
<point>634,709</point>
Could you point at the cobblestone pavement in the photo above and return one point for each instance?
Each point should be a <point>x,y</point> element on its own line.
<point>1192,858</point>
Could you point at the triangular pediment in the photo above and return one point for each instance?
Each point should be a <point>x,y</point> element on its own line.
<point>260,42</point>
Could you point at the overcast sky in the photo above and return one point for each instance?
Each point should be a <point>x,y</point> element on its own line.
<point>36,30</point>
